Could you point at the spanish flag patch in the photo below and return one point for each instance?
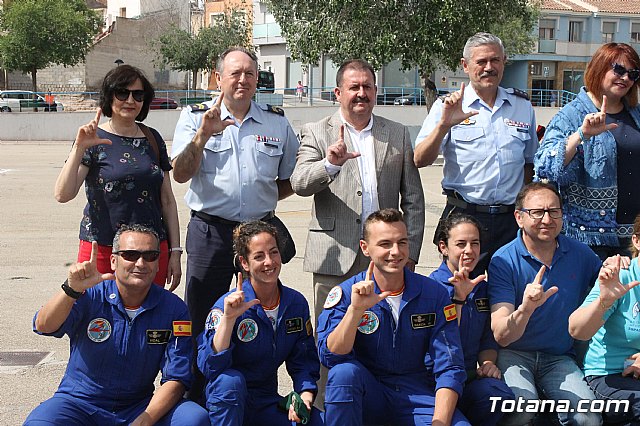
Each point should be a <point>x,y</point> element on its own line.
<point>450,312</point>
<point>182,328</point>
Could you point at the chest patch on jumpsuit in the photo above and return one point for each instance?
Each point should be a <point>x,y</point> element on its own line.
<point>158,337</point>
<point>369,323</point>
<point>99,330</point>
<point>423,320</point>
<point>293,325</point>
<point>482,304</point>
<point>247,330</point>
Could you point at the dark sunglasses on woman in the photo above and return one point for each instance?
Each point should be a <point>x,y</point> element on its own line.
<point>620,71</point>
<point>123,94</point>
<point>134,255</point>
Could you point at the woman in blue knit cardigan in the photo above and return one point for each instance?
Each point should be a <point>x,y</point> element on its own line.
<point>591,150</point>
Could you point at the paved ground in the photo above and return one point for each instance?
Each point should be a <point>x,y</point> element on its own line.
<point>39,238</point>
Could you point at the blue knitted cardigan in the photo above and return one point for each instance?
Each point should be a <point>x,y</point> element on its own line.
<point>588,184</point>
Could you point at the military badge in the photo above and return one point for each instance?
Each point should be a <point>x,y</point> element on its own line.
<point>99,330</point>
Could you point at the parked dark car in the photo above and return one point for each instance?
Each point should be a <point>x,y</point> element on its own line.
<point>163,103</point>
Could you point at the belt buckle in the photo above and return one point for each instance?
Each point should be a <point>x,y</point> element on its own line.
<point>494,209</point>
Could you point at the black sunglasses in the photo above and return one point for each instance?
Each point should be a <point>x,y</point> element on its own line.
<point>134,255</point>
<point>620,71</point>
<point>123,94</point>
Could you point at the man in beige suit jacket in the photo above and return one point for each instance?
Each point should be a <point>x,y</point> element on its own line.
<point>354,163</point>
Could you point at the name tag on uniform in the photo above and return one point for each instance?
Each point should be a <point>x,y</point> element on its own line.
<point>423,320</point>
<point>293,325</point>
<point>482,304</point>
<point>158,337</point>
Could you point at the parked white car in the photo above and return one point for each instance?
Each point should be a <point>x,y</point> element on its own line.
<point>22,100</point>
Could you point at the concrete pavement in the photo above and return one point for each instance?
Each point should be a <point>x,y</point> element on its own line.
<point>39,240</point>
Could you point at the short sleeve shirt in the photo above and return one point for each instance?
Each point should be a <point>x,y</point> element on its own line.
<point>123,186</point>
<point>237,177</point>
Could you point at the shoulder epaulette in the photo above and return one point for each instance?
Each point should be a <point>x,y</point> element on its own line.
<point>274,109</point>
<point>519,93</point>
<point>199,108</point>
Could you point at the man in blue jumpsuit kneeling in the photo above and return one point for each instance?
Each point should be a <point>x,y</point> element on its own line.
<point>122,330</point>
<point>390,338</point>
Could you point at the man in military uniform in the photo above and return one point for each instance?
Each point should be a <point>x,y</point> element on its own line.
<point>239,156</point>
<point>122,331</point>
<point>390,338</point>
<point>487,136</point>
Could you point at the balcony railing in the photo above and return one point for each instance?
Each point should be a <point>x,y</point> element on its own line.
<point>546,46</point>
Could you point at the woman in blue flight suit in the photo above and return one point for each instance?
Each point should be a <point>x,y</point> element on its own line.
<point>459,243</point>
<point>250,332</point>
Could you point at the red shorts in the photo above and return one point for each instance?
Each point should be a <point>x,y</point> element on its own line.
<point>104,259</point>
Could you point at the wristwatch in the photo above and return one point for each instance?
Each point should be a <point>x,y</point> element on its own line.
<point>458,302</point>
<point>69,291</point>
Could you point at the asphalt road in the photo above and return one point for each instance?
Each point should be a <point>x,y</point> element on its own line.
<point>39,239</point>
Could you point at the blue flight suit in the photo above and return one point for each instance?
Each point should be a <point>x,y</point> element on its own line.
<point>394,370</point>
<point>242,380</point>
<point>476,336</point>
<point>114,360</point>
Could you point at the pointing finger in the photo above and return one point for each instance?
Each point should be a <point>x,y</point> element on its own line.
<point>94,253</point>
<point>341,134</point>
<point>462,86</point>
<point>98,114</point>
<point>239,285</point>
<point>604,104</point>
<point>218,101</point>
<point>369,272</point>
<point>632,285</point>
<point>539,275</point>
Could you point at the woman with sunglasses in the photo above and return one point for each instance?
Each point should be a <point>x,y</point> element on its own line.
<point>590,151</point>
<point>250,332</point>
<point>126,175</point>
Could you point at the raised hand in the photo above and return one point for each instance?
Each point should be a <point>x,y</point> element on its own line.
<point>596,123</point>
<point>87,134</point>
<point>211,122</point>
<point>234,304</point>
<point>535,295</point>
<point>452,112</point>
<point>363,294</point>
<point>85,274</point>
<point>611,289</point>
<point>461,282</point>
<point>337,153</point>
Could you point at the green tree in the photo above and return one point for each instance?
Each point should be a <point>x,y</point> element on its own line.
<point>423,33</point>
<point>37,33</point>
<point>183,51</point>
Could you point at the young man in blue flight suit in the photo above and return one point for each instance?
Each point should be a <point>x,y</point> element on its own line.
<point>390,338</point>
<point>487,136</point>
<point>122,331</point>
<point>239,156</point>
<point>250,332</point>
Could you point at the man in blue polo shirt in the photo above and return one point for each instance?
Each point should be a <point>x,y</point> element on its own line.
<point>529,320</point>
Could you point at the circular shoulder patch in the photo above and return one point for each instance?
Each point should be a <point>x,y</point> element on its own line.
<point>368,323</point>
<point>213,319</point>
<point>99,330</point>
<point>247,330</point>
<point>333,297</point>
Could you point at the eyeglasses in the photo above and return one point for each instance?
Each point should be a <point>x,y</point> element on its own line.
<point>134,255</point>
<point>620,71</point>
<point>538,214</point>
<point>123,94</point>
